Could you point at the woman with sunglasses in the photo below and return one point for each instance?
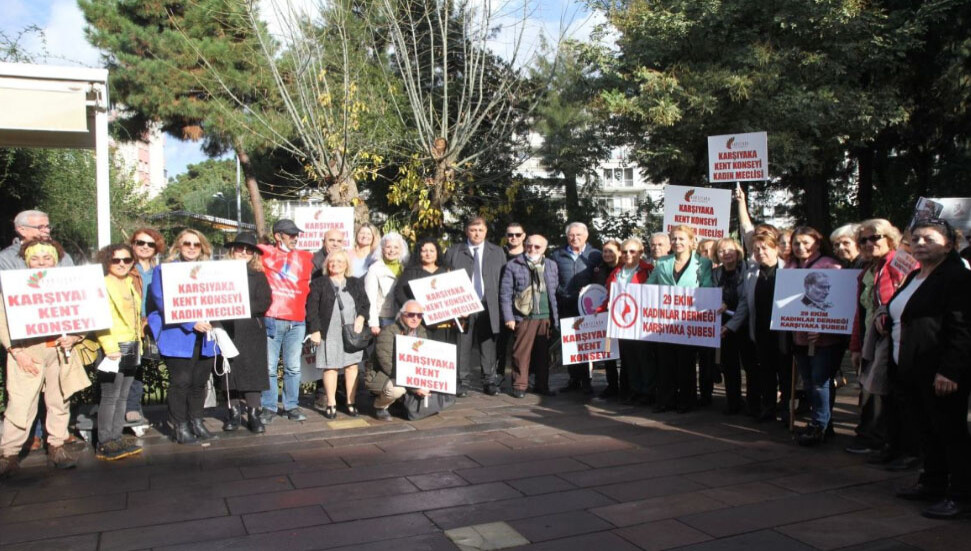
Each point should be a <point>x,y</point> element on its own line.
<point>184,348</point>
<point>146,244</point>
<point>121,342</point>
<point>637,372</point>
<point>247,376</point>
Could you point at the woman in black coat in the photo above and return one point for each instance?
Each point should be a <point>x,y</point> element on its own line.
<point>247,376</point>
<point>427,261</point>
<point>930,327</point>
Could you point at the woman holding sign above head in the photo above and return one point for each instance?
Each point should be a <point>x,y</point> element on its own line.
<point>35,365</point>
<point>677,379</point>
<point>380,280</point>
<point>185,349</point>
<point>247,376</point>
<point>636,380</point>
<point>337,300</point>
<point>425,263</point>
<point>815,353</point>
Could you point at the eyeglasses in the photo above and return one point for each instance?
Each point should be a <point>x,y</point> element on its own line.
<point>411,315</point>
<point>872,239</point>
<point>42,227</point>
<point>126,260</point>
<point>244,250</point>
<point>632,251</point>
<point>531,246</point>
<point>192,244</point>
<point>511,234</point>
<point>140,243</point>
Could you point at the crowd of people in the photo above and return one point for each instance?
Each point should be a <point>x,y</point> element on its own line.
<point>910,342</point>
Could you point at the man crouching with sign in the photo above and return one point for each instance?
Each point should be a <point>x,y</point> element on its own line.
<point>379,378</point>
<point>527,298</point>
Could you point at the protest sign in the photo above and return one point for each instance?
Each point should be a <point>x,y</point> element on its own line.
<point>584,339</point>
<point>706,210</point>
<point>591,298</point>
<point>316,221</point>
<point>666,313</point>
<point>926,209</point>
<point>738,157</point>
<point>820,301</point>
<point>424,363</point>
<point>903,262</point>
<point>43,302</point>
<point>957,211</point>
<point>205,291</point>
<point>446,296</point>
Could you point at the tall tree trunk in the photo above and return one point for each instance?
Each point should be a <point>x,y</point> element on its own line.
<point>256,199</point>
<point>817,201</point>
<point>865,166</point>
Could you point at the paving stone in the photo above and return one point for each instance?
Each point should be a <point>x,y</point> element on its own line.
<point>766,514</point>
<point>657,508</point>
<point>319,495</point>
<point>832,478</point>
<point>601,541</point>
<point>743,494</point>
<point>424,542</point>
<point>643,489</point>
<point>560,525</point>
<point>858,527</point>
<point>320,537</point>
<point>285,519</point>
<point>495,535</point>
<point>740,474</point>
<point>628,473</point>
<point>766,539</point>
<point>430,449</point>
<point>541,485</point>
<point>520,470</point>
<point>520,508</point>
<point>212,490</point>
<point>663,534</point>
<point>425,501</point>
<point>324,464</point>
<point>435,481</point>
<point>947,536</point>
<point>62,508</point>
<point>881,545</point>
<point>542,453</point>
<point>195,477</point>
<point>87,542</point>
<point>80,489</point>
<point>374,472</point>
<point>168,534</point>
<point>6,498</point>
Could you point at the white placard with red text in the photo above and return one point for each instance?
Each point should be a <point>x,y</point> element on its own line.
<point>424,363</point>
<point>316,221</point>
<point>816,301</point>
<point>665,313</point>
<point>43,302</point>
<point>584,339</point>
<point>446,296</point>
<point>903,262</point>
<point>706,210</point>
<point>205,291</point>
<point>738,157</point>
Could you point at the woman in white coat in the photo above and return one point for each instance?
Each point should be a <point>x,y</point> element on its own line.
<point>380,280</point>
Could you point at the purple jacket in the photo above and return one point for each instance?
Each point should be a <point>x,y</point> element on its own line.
<point>516,278</point>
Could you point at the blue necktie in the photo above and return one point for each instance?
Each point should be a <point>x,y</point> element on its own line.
<point>476,272</point>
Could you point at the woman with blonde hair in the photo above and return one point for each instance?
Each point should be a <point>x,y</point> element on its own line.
<point>184,348</point>
<point>367,238</point>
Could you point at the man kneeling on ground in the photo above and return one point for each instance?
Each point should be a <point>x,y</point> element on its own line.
<point>380,377</point>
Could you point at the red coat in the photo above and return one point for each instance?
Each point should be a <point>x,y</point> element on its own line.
<point>640,276</point>
<point>288,273</point>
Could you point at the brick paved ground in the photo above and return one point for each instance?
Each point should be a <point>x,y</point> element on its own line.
<point>553,473</point>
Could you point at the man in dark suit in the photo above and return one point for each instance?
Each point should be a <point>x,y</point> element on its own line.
<point>483,262</point>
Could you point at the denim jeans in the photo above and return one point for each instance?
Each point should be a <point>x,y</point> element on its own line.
<point>816,372</point>
<point>283,337</point>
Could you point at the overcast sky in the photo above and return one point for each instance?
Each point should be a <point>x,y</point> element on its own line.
<point>63,27</point>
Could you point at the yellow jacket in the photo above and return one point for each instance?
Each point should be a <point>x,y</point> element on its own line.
<point>126,318</point>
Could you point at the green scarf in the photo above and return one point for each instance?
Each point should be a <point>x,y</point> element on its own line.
<point>395,267</point>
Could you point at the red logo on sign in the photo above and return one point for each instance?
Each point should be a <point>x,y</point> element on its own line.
<point>624,311</point>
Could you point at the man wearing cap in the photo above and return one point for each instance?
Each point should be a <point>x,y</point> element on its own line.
<point>288,272</point>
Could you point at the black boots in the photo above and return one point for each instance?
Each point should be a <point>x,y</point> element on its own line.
<point>199,429</point>
<point>254,421</point>
<point>183,435</point>
<point>234,419</point>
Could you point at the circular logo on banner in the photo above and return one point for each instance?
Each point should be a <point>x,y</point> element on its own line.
<point>624,311</point>
<point>591,297</point>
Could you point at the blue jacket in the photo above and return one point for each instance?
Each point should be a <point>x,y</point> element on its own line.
<point>574,275</point>
<point>175,340</point>
<point>515,278</point>
<point>696,274</point>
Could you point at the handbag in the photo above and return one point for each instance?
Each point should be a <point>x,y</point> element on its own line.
<point>150,350</point>
<point>353,341</point>
<point>131,354</point>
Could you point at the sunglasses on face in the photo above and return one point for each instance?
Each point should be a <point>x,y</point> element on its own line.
<point>510,234</point>
<point>126,260</point>
<point>411,315</point>
<point>531,246</point>
<point>244,250</point>
<point>872,239</point>
<point>192,244</point>
<point>140,243</point>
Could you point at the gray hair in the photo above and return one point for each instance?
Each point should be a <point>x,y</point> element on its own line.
<point>22,216</point>
<point>405,305</point>
<point>378,254</point>
<point>848,230</point>
<point>576,224</point>
<point>660,234</point>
